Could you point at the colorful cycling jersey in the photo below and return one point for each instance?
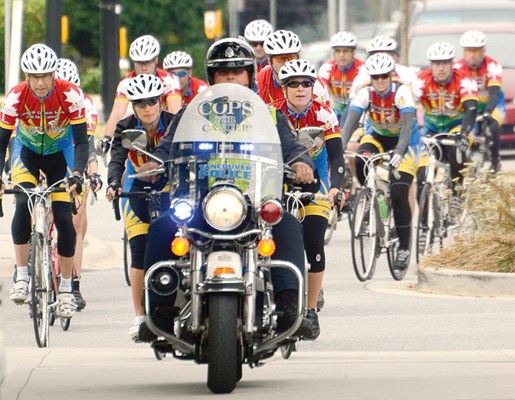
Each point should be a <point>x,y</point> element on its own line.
<point>385,111</point>
<point>195,86</point>
<point>270,90</point>
<point>487,75</point>
<point>402,74</point>
<point>319,115</point>
<point>261,65</point>
<point>170,82</point>
<point>338,82</point>
<point>91,114</point>
<point>443,104</point>
<point>44,125</point>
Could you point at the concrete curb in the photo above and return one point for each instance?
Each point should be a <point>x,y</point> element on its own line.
<point>465,283</point>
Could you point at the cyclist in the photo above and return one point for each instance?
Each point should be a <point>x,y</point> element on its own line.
<point>338,74</point>
<point>179,63</point>
<point>144,91</point>
<point>297,79</point>
<point>488,75</point>
<point>392,114</point>
<point>67,70</point>
<point>449,101</point>
<point>144,52</point>
<point>232,60</point>
<point>255,34</point>
<point>282,46</point>
<point>51,137</point>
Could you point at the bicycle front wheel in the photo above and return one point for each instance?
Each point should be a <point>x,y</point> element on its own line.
<point>364,239</point>
<point>126,259</point>
<point>39,288</point>
<point>427,221</point>
<point>331,226</point>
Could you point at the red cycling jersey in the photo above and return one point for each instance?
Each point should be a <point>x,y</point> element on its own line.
<point>44,125</point>
<point>195,86</point>
<point>339,81</point>
<point>443,104</point>
<point>487,75</point>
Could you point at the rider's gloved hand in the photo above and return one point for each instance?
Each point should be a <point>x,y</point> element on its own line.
<point>396,159</point>
<point>463,142</point>
<point>112,190</point>
<point>77,181</point>
<point>103,145</point>
<point>95,181</point>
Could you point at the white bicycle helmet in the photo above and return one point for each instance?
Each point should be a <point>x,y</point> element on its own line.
<point>344,39</point>
<point>38,59</point>
<point>440,51</point>
<point>144,86</point>
<point>473,38</point>
<point>257,30</point>
<point>68,64</point>
<point>68,72</point>
<point>144,48</point>
<point>177,59</point>
<point>282,42</point>
<point>297,68</point>
<point>379,63</point>
<point>381,43</point>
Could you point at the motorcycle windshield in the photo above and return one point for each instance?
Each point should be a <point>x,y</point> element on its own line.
<point>227,135</point>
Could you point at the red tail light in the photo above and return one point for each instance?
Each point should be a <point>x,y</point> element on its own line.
<point>271,212</point>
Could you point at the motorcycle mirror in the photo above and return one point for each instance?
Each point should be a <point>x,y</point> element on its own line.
<point>309,136</point>
<point>136,139</point>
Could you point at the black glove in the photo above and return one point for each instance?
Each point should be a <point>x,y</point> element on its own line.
<point>75,180</point>
<point>462,141</point>
<point>115,185</point>
<point>103,145</point>
<point>95,181</point>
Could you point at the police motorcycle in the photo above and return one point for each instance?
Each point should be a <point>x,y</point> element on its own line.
<point>228,166</point>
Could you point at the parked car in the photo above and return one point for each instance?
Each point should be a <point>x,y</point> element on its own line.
<point>427,29</point>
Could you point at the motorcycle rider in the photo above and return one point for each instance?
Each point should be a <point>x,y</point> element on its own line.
<point>232,60</point>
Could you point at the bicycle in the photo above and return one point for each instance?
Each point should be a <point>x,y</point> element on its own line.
<point>481,150</point>
<point>336,215</point>
<point>372,225</point>
<point>43,273</point>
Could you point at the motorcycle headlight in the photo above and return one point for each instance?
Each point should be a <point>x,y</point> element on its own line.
<point>224,208</point>
<point>181,211</point>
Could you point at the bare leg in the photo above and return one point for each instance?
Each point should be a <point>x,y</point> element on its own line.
<point>137,278</point>
<point>314,284</point>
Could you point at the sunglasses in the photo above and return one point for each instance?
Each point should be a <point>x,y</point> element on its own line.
<point>256,44</point>
<point>180,74</point>
<point>227,71</point>
<point>296,84</point>
<point>143,103</point>
<point>382,76</point>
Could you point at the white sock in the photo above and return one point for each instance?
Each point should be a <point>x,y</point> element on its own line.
<point>65,285</point>
<point>22,274</point>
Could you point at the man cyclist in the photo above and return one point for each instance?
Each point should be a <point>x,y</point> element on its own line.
<point>393,128</point>
<point>488,75</point>
<point>255,34</point>
<point>297,79</point>
<point>449,101</point>
<point>144,53</point>
<point>51,137</point>
<point>282,46</point>
<point>338,74</point>
<point>67,70</point>
<point>232,60</point>
<point>180,63</point>
<point>144,91</point>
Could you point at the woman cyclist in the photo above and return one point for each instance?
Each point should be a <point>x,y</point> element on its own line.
<point>144,91</point>
<point>297,79</point>
<point>392,114</point>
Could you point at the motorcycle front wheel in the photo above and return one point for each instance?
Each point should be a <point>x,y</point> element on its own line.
<point>224,360</point>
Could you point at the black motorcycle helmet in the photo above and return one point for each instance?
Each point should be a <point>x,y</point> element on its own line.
<point>230,53</point>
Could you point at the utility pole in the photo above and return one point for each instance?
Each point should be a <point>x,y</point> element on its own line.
<point>404,31</point>
<point>110,11</point>
<point>54,11</point>
<point>273,13</point>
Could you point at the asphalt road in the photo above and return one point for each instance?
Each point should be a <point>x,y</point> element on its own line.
<point>382,340</point>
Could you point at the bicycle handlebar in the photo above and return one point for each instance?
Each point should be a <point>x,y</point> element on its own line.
<point>28,191</point>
